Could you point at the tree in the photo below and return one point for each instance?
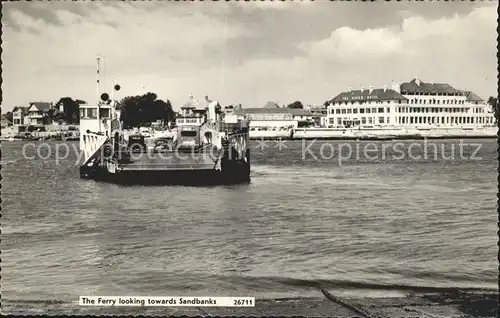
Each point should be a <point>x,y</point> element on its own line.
<point>50,114</point>
<point>494,104</point>
<point>296,104</point>
<point>142,110</point>
<point>70,109</point>
<point>9,116</point>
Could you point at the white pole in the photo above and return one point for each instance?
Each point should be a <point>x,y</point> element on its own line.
<point>98,93</point>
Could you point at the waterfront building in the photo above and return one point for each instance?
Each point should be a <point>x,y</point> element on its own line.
<point>193,112</point>
<point>37,113</point>
<point>273,118</point>
<point>410,104</point>
<point>18,116</point>
<point>318,115</point>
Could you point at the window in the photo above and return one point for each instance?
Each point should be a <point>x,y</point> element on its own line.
<point>363,120</point>
<point>188,133</point>
<point>381,120</point>
<point>374,110</point>
<point>355,111</point>
<point>367,110</point>
<point>343,111</point>
<point>104,113</point>
<point>92,113</point>
<point>82,112</point>
<point>380,109</point>
<point>337,111</point>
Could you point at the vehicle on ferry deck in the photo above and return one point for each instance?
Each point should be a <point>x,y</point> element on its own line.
<point>136,143</point>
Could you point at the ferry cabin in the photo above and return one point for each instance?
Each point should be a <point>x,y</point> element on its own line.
<point>412,104</point>
<point>193,112</point>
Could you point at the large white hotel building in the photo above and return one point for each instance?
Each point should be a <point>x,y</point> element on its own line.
<point>412,104</point>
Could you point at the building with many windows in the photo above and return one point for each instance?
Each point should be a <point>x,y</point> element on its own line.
<point>275,118</point>
<point>193,112</point>
<point>37,113</point>
<point>18,115</point>
<point>411,104</point>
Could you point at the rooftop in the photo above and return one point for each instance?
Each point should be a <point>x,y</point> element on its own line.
<point>293,111</point>
<point>43,106</point>
<point>470,96</point>
<point>271,105</point>
<point>367,94</point>
<point>24,109</point>
<point>193,103</point>
<point>418,86</point>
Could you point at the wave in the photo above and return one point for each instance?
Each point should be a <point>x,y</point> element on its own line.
<point>332,284</point>
<point>8,161</point>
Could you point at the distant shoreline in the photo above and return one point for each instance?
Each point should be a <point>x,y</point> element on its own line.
<point>398,138</point>
<point>371,138</point>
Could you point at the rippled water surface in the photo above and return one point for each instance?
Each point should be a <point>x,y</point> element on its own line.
<point>354,224</point>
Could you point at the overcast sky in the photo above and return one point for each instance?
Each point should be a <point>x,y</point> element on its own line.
<point>243,52</point>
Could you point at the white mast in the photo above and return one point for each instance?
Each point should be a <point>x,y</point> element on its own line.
<point>98,93</point>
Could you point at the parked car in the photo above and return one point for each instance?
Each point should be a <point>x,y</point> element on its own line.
<point>136,143</point>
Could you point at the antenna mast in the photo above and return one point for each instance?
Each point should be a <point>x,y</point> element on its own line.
<point>98,90</point>
<point>98,93</point>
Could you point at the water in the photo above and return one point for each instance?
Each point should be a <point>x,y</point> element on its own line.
<point>356,226</point>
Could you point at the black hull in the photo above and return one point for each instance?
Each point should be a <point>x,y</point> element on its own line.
<point>232,173</point>
<point>187,171</point>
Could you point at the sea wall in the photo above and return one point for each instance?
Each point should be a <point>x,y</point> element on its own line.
<point>394,133</point>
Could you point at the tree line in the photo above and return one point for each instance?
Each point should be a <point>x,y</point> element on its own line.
<point>136,111</point>
<point>141,110</point>
<point>493,101</point>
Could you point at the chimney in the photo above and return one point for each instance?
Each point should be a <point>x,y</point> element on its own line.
<point>396,87</point>
<point>371,89</point>
<point>385,88</point>
<point>350,88</point>
<point>417,81</point>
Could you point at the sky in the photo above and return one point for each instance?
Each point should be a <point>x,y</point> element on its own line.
<point>243,52</point>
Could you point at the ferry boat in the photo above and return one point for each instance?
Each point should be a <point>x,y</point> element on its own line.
<point>212,150</point>
<point>215,151</point>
